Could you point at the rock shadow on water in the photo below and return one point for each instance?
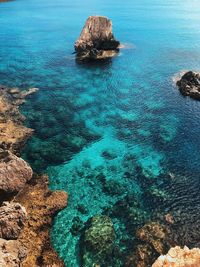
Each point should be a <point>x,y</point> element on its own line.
<point>93,63</point>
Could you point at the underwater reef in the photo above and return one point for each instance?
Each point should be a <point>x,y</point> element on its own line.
<point>96,40</point>
<point>123,233</point>
<point>27,206</point>
<point>137,188</point>
<point>98,241</point>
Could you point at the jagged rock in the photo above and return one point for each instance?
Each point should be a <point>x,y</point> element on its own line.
<point>96,40</point>
<point>14,173</point>
<point>189,85</point>
<point>98,241</point>
<point>12,219</point>
<point>12,253</point>
<point>41,206</point>
<point>178,257</point>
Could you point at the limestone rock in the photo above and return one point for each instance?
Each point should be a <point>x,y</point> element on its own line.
<point>96,40</point>
<point>12,253</point>
<point>178,257</point>
<point>14,173</point>
<point>189,85</point>
<point>12,219</point>
<point>41,205</point>
<point>98,241</point>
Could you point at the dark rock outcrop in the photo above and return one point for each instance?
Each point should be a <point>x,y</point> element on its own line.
<point>98,241</point>
<point>12,219</point>
<point>96,40</point>
<point>189,85</point>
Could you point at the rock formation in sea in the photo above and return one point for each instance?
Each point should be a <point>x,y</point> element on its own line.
<point>96,40</point>
<point>27,206</point>
<point>189,85</point>
<point>153,240</point>
<point>178,257</point>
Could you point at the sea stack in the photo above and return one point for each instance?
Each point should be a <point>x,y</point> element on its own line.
<point>96,40</point>
<point>189,85</point>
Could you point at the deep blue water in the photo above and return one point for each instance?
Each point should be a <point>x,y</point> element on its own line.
<point>107,131</point>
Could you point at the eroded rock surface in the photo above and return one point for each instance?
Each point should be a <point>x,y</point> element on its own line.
<point>12,253</point>
<point>12,219</point>
<point>96,40</point>
<point>14,173</point>
<point>189,85</point>
<point>178,257</point>
<point>41,205</point>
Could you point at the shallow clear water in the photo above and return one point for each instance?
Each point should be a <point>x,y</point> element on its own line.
<point>113,130</point>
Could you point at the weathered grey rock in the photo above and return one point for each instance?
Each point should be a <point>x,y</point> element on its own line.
<point>96,40</point>
<point>98,241</point>
<point>14,173</point>
<point>12,219</point>
<point>189,85</point>
<point>12,253</point>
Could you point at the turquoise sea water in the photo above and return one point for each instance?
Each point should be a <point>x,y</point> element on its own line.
<point>109,133</point>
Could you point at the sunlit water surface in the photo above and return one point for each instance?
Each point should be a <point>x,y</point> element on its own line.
<point>108,131</point>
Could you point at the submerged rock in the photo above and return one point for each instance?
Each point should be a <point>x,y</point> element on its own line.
<point>153,240</point>
<point>189,85</point>
<point>12,219</point>
<point>96,40</point>
<point>98,241</point>
<point>178,257</point>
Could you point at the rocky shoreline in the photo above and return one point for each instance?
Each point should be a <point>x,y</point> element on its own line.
<point>27,206</point>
